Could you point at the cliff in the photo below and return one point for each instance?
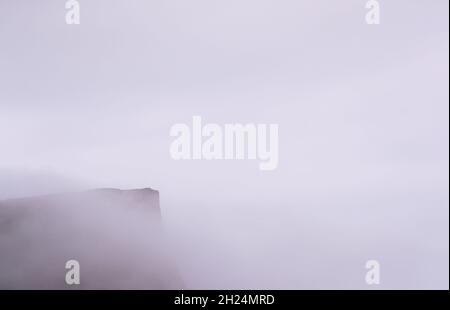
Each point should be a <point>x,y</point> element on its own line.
<point>115,235</point>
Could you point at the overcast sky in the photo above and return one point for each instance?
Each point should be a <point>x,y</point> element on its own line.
<point>363,127</point>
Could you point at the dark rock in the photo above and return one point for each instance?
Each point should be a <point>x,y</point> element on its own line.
<point>115,235</point>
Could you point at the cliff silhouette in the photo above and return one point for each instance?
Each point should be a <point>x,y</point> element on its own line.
<point>115,235</point>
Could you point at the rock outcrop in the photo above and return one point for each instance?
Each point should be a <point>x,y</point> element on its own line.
<point>115,235</point>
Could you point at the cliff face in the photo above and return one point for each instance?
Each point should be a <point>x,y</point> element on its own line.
<point>115,236</point>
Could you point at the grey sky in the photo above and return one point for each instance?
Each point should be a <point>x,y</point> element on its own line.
<point>362,111</point>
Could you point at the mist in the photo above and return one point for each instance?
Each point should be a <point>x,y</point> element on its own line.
<point>363,131</point>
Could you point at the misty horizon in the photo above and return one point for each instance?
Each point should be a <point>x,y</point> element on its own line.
<point>362,111</point>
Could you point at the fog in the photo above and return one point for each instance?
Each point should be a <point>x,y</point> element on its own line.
<point>115,236</point>
<point>363,130</point>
